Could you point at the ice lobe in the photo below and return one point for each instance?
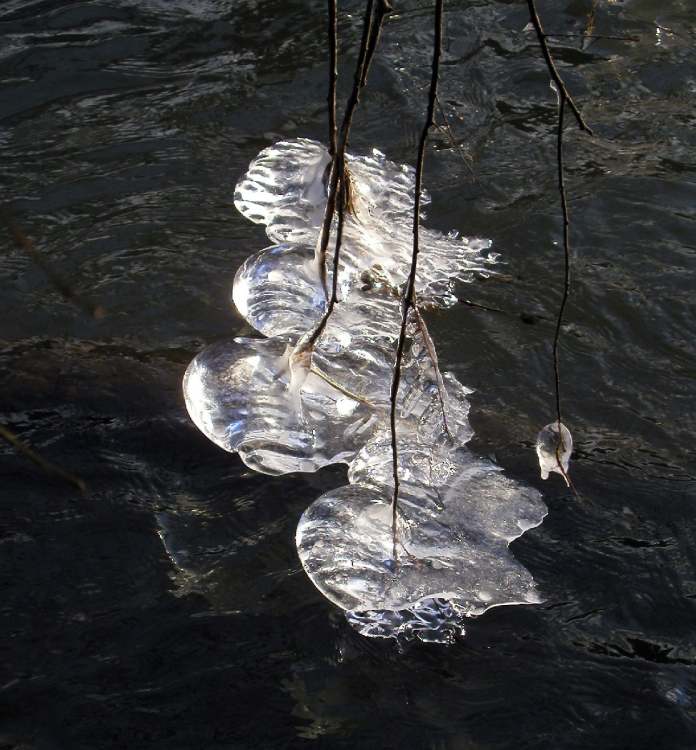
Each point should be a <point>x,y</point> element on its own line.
<point>237,395</point>
<point>457,513</point>
<point>345,543</point>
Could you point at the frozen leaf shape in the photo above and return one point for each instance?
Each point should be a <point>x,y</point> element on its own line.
<point>346,547</point>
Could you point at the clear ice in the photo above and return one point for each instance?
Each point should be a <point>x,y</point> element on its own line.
<point>457,513</point>
<point>552,456</point>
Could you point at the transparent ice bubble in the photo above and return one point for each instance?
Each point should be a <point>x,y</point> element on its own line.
<point>278,294</point>
<point>551,451</point>
<point>278,291</point>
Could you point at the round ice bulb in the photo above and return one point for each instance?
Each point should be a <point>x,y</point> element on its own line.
<point>554,451</point>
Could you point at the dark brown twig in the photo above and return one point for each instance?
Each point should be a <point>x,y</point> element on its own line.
<point>333,74</point>
<point>566,255</point>
<point>337,164</point>
<point>383,7</point>
<point>553,71</point>
<point>409,297</point>
<point>560,445</point>
<point>21,447</point>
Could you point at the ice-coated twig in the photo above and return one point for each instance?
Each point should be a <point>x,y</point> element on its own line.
<point>50,468</point>
<point>409,296</point>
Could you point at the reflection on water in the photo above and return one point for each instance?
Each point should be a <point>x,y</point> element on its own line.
<point>123,129</point>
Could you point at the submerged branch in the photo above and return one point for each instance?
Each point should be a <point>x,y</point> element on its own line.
<point>23,449</point>
<point>408,300</point>
<point>448,129</point>
<point>61,285</point>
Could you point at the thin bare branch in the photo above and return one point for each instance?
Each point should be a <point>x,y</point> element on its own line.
<point>566,255</point>
<point>383,7</point>
<point>563,98</point>
<point>339,155</point>
<point>333,73</point>
<point>408,300</point>
<point>553,71</point>
<point>560,446</point>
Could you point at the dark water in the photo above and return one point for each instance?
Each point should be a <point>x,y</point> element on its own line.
<point>123,128</point>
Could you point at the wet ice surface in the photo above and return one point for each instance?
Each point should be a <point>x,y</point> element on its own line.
<point>457,513</point>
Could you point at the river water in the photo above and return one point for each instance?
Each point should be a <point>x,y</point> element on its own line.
<point>167,608</point>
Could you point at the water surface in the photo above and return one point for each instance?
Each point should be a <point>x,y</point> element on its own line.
<point>123,128</point>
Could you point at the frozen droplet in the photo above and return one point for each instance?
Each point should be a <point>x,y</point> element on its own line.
<point>554,450</point>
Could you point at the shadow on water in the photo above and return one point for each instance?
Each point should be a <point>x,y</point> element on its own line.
<point>167,608</point>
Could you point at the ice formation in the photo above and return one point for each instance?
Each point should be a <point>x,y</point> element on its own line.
<point>457,513</point>
<point>552,455</point>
